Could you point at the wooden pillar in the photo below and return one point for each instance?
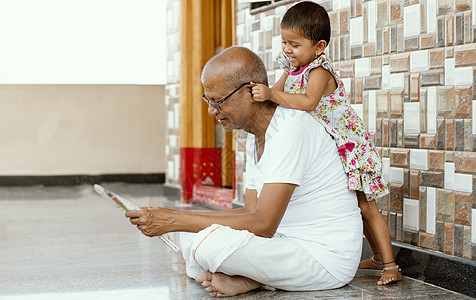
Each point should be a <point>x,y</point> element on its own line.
<point>199,159</point>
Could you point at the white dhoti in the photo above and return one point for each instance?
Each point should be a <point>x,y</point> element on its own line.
<point>278,262</point>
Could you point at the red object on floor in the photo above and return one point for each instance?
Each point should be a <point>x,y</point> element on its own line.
<point>198,166</point>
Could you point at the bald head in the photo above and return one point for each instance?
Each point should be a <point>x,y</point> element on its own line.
<point>236,65</point>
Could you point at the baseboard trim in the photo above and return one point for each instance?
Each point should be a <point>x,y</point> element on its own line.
<point>68,180</point>
<point>446,271</point>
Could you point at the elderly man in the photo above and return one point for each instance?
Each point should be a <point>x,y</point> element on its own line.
<point>300,228</point>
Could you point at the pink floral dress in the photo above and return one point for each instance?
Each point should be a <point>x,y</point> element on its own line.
<point>359,157</point>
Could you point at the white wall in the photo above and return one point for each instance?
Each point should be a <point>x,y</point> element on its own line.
<point>81,129</point>
<point>82,41</point>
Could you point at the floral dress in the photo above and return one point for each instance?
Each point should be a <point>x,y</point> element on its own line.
<point>359,157</point>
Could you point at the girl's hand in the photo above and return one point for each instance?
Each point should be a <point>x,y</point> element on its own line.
<point>260,92</point>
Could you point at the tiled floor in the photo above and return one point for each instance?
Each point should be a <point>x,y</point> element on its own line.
<point>70,243</point>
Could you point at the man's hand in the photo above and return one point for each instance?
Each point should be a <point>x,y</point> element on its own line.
<point>151,221</point>
<point>261,92</point>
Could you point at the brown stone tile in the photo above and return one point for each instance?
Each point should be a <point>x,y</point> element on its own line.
<point>437,58</point>
<point>440,134</point>
<point>422,208</point>
<point>462,5</point>
<point>427,41</point>
<point>412,141</point>
<point>445,7</point>
<point>357,8</point>
<point>427,240</point>
<point>411,237</point>
<point>400,140</point>
<point>396,104</point>
<point>468,135</point>
<point>436,160</point>
<point>396,12</point>
<point>344,21</point>
<point>423,110</point>
<point>382,103</point>
<point>412,44</point>
<point>342,47</point>
<point>467,242</point>
<point>334,20</point>
<point>400,40</point>
<point>440,236</point>
<point>450,134</point>
<point>406,87</point>
<point>406,183</point>
<point>465,162</point>
<point>382,14</point>
<point>393,39</point>
<point>449,238</point>
<point>373,82</point>
<point>414,87</point>
<point>392,225</point>
<point>369,50</point>
<point>467,27</point>
<point>399,229</point>
<point>463,205</point>
<point>440,31</point>
<point>396,197</point>
<point>378,133</point>
<point>382,202</point>
<point>399,157</point>
<point>347,68</point>
<point>450,30</point>
<point>414,184</point>
<point>393,133</point>
<point>445,205</point>
<point>358,89</point>
<point>385,132</point>
<point>459,29</point>
<point>432,179</point>
<point>433,77</point>
<point>400,63</point>
<point>379,45</point>
<point>386,40</point>
<point>375,65</point>
<point>427,141</point>
<point>458,240</point>
<point>449,52</point>
<point>459,135</point>
<point>465,55</point>
<point>337,54</point>
<point>445,102</point>
<point>449,156</point>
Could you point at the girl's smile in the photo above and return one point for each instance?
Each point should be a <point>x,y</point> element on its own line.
<point>299,50</point>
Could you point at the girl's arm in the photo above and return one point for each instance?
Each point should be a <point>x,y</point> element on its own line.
<point>320,82</point>
<point>279,85</point>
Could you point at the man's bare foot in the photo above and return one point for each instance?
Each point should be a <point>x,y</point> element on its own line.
<point>222,285</point>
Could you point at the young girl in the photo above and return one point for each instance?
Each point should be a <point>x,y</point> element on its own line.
<point>310,83</point>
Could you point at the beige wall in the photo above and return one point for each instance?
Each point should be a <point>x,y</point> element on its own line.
<point>81,129</point>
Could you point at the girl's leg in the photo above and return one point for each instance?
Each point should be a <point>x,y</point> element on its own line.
<point>378,237</point>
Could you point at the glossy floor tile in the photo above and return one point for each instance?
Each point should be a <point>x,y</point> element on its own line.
<point>70,243</point>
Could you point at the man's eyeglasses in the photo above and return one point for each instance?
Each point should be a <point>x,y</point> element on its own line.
<point>217,104</point>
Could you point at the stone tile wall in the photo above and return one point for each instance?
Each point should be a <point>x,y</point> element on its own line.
<point>172,147</point>
<point>409,67</point>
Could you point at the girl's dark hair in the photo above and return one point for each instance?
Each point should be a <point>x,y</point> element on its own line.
<point>310,20</point>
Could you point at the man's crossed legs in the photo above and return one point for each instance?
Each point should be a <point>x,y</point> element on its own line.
<point>228,262</point>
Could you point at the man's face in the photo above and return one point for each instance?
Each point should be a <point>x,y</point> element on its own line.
<point>231,113</point>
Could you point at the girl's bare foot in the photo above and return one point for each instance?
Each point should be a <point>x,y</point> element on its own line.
<point>390,276</point>
<point>222,285</point>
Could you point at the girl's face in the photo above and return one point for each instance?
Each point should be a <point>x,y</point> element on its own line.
<point>299,49</point>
